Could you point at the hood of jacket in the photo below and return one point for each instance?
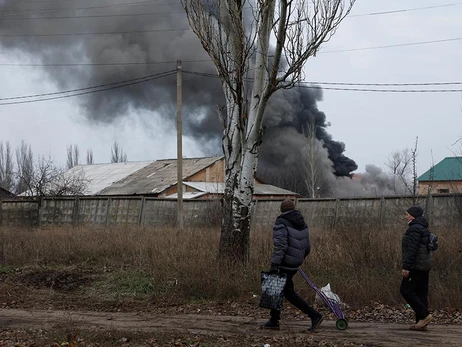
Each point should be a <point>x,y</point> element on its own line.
<point>295,218</point>
<point>419,221</point>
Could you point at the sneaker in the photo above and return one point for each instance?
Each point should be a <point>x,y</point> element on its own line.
<point>414,327</point>
<point>424,322</point>
<point>316,322</point>
<point>270,325</point>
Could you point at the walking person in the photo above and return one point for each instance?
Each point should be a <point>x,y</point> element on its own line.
<point>291,246</point>
<point>416,267</point>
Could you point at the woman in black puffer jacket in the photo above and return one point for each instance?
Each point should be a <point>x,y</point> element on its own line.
<point>416,267</point>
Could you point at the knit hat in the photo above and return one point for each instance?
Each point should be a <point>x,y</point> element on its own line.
<point>287,205</point>
<point>415,211</point>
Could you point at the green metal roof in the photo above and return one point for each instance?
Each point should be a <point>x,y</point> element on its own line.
<point>448,169</point>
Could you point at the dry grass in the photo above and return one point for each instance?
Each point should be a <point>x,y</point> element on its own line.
<point>361,263</point>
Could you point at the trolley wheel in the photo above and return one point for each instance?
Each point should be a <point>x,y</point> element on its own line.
<point>341,324</point>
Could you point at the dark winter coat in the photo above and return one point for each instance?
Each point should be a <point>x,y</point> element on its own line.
<point>415,254</point>
<point>291,240</point>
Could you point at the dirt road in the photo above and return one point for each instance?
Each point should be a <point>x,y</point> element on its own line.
<point>233,327</point>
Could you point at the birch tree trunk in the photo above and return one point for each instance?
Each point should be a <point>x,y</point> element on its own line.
<point>240,47</point>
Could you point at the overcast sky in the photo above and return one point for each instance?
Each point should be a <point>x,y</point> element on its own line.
<point>372,125</point>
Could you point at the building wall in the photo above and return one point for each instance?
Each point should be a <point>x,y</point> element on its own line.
<point>213,173</point>
<point>440,187</point>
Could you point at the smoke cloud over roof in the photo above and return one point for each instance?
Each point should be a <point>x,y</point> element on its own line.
<point>151,36</point>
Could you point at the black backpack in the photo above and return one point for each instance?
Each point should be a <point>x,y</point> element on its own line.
<point>432,244</point>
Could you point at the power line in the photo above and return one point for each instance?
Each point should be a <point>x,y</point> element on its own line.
<point>387,90</point>
<point>353,89</point>
<point>138,3</point>
<point>93,16</point>
<point>392,46</point>
<point>386,84</point>
<point>404,10</point>
<point>85,90</point>
<point>105,64</point>
<point>95,33</point>
<point>146,3</point>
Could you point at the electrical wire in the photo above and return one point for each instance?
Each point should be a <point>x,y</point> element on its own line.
<point>404,10</point>
<point>93,16</point>
<point>96,33</point>
<point>385,90</point>
<point>391,46</point>
<point>386,84</point>
<point>85,90</point>
<point>131,4</point>
<point>105,64</point>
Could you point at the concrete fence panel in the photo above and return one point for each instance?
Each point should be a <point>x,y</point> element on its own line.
<point>322,214</point>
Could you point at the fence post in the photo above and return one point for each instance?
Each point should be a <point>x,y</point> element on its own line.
<point>140,222</point>
<point>253,219</point>
<point>381,212</point>
<point>75,212</point>
<point>40,211</point>
<point>334,220</point>
<point>109,203</point>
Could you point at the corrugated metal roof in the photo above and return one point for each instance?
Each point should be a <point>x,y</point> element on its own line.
<point>219,188</point>
<point>157,176</point>
<point>100,176</point>
<point>449,169</point>
<point>267,189</point>
<point>207,187</point>
<point>5,193</point>
<point>187,195</point>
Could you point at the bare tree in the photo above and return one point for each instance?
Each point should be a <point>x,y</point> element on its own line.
<point>399,164</point>
<point>89,157</point>
<point>6,166</point>
<point>414,171</point>
<point>235,41</point>
<point>72,156</point>
<point>312,161</point>
<point>25,167</point>
<point>403,166</point>
<point>50,180</point>
<point>117,154</point>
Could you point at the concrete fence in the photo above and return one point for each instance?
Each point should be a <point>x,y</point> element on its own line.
<point>441,210</point>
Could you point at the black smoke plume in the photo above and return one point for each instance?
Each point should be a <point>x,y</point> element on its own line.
<point>156,33</point>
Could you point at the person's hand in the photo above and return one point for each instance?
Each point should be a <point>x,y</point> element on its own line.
<point>274,269</point>
<point>405,273</point>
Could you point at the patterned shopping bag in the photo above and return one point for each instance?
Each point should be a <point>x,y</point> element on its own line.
<point>272,286</point>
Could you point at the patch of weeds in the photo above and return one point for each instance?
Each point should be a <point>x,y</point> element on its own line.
<point>5,269</point>
<point>133,283</point>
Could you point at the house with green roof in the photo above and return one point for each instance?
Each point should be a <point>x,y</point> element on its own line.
<point>444,177</point>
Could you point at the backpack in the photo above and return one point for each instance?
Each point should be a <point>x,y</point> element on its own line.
<point>432,244</point>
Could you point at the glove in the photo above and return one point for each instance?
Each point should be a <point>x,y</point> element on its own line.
<point>274,269</point>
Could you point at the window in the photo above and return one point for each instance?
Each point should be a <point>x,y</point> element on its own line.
<point>442,191</point>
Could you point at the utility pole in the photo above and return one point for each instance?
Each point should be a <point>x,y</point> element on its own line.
<point>179,146</point>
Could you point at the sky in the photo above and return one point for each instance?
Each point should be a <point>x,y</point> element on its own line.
<point>372,125</point>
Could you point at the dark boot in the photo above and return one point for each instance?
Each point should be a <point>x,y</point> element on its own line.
<point>316,322</point>
<point>273,325</point>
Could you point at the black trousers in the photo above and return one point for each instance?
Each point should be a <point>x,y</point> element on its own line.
<point>294,299</point>
<point>414,290</point>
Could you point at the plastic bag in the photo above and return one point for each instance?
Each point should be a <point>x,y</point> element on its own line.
<point>327,291</point>
<point>272,286</point>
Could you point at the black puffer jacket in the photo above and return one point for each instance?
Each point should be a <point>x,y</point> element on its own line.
<point>416,256</point>
<point>291,240</point>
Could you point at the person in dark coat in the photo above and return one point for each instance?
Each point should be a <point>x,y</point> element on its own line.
<point>291,246</point>
<point>416,266</point>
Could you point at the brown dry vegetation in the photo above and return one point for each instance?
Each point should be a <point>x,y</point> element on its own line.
<point>163,271</point>
<point>361,263</point>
